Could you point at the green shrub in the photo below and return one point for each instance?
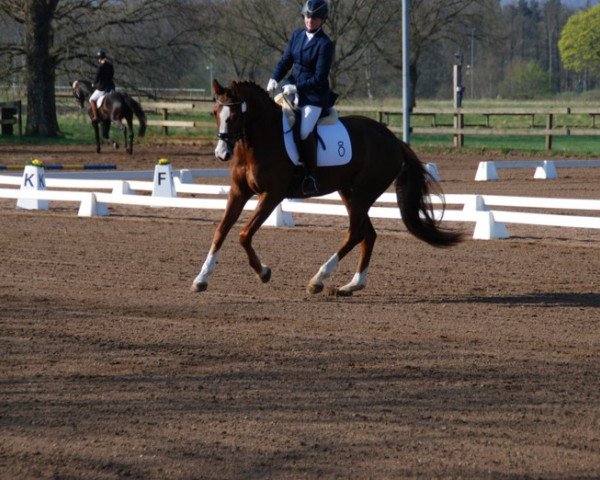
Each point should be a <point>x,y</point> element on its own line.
<point>525,81</point>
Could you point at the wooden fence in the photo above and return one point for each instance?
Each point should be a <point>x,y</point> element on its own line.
<point>479,123</point>
<point>459,129</point>
<point>164,107</point>
<point>10,115</point>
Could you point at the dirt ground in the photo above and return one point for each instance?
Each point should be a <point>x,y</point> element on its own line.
<point>476,362</point>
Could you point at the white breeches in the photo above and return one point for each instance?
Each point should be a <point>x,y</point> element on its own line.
<point>310,115</point>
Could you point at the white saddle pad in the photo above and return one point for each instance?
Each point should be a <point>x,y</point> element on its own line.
<point>337,151</point>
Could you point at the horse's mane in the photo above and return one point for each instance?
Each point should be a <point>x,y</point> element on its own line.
<point>85,83</point>
<point>248,90</point>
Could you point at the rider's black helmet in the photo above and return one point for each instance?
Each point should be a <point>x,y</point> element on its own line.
<point>316,9</point>
<point>100,54</point>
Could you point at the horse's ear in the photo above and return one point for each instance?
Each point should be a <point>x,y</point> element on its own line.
<point>217,88</point>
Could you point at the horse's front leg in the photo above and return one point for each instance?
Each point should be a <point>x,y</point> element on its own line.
<point>266,204</point>
<point>235,205</point>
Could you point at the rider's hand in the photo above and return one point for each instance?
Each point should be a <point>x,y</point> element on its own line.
<point>290,89</point>
<point>272,85</point>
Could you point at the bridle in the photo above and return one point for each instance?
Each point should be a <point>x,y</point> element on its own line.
<point>232,137</point>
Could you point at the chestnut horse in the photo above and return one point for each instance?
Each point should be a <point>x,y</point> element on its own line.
<point>116,107</point>
<point>250,133</point>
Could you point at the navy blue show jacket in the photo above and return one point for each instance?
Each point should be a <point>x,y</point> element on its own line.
<point>312,61</point>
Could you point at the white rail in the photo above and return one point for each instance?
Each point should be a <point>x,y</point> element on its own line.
<point>94,194</point>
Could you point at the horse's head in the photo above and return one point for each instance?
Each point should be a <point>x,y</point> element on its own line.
<point>229,113</point>
<point>81,90</point>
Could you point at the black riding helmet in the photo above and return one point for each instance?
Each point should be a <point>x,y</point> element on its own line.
<point>315,9</point>
<point>100,54</point>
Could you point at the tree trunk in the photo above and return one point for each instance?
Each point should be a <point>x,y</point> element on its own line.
<point>41,107</point>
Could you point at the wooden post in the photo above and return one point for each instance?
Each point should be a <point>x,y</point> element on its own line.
<point>549,122</point>
<point>459,123</point>
<point>165,115</point>
<point>457,86</point>
<point>20,118</point>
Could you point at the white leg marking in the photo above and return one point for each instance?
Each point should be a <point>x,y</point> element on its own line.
<point>326,270</point>
<point>358,282</point>
<point>207,268</point>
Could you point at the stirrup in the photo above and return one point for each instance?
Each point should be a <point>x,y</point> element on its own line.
<point>309,186</point>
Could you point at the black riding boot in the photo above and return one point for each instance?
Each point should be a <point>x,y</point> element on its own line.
<point>308,156</point>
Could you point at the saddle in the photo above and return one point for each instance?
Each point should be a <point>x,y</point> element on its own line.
<point>333,141</point>
<point>329,116</point>
<point>102,97</point>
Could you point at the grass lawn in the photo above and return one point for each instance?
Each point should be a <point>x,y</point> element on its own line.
<point>75,128</point>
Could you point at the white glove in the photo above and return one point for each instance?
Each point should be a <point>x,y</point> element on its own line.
<point>272,85</point>
<point>290,89</point>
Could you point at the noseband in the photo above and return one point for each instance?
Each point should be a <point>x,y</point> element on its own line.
<point>232,137</point>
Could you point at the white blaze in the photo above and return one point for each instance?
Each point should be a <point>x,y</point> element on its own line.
<point>221,150</point>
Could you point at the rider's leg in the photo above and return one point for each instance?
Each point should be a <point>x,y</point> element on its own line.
<point>93,105</point>
<point>308,148</point>
<point>94,109</point>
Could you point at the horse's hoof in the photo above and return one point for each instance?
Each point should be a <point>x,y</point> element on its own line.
<point>338,292</point>
<point>265,275</point>
<point>314,288</point>
<point>116,146</point>
<point>348,290</point>
<point>199,287</point>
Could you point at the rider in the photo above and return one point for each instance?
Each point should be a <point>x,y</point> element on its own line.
<point>310,51</point>
<point>103,83</point>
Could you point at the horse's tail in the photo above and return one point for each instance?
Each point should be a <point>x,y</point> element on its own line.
<point>413,185</point>
<point>136,108</point>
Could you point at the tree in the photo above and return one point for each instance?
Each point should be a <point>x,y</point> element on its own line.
<point>579,43</point>
<point>57,38</point>
<point>438,26</point>
<point>524,81</point>
<point>36,18</point>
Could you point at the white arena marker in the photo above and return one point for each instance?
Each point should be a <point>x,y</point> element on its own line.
<point>33,179</point>
<point>486,171</point>
<point>433,171</point>
<point>486,228</point>
<point>547,171</point>
<point>91,208</point>
<point>163,181</point>
<point>279,218</point>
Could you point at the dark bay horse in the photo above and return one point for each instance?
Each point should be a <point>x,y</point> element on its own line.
<point>250,133</point>
<point>116,107</point>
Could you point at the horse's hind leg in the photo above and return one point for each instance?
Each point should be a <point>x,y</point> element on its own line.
<point>96,136</point>
<point>359,280</point>
<point>129,136</point>
<point>106,134</point>
<point>360,230</point>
